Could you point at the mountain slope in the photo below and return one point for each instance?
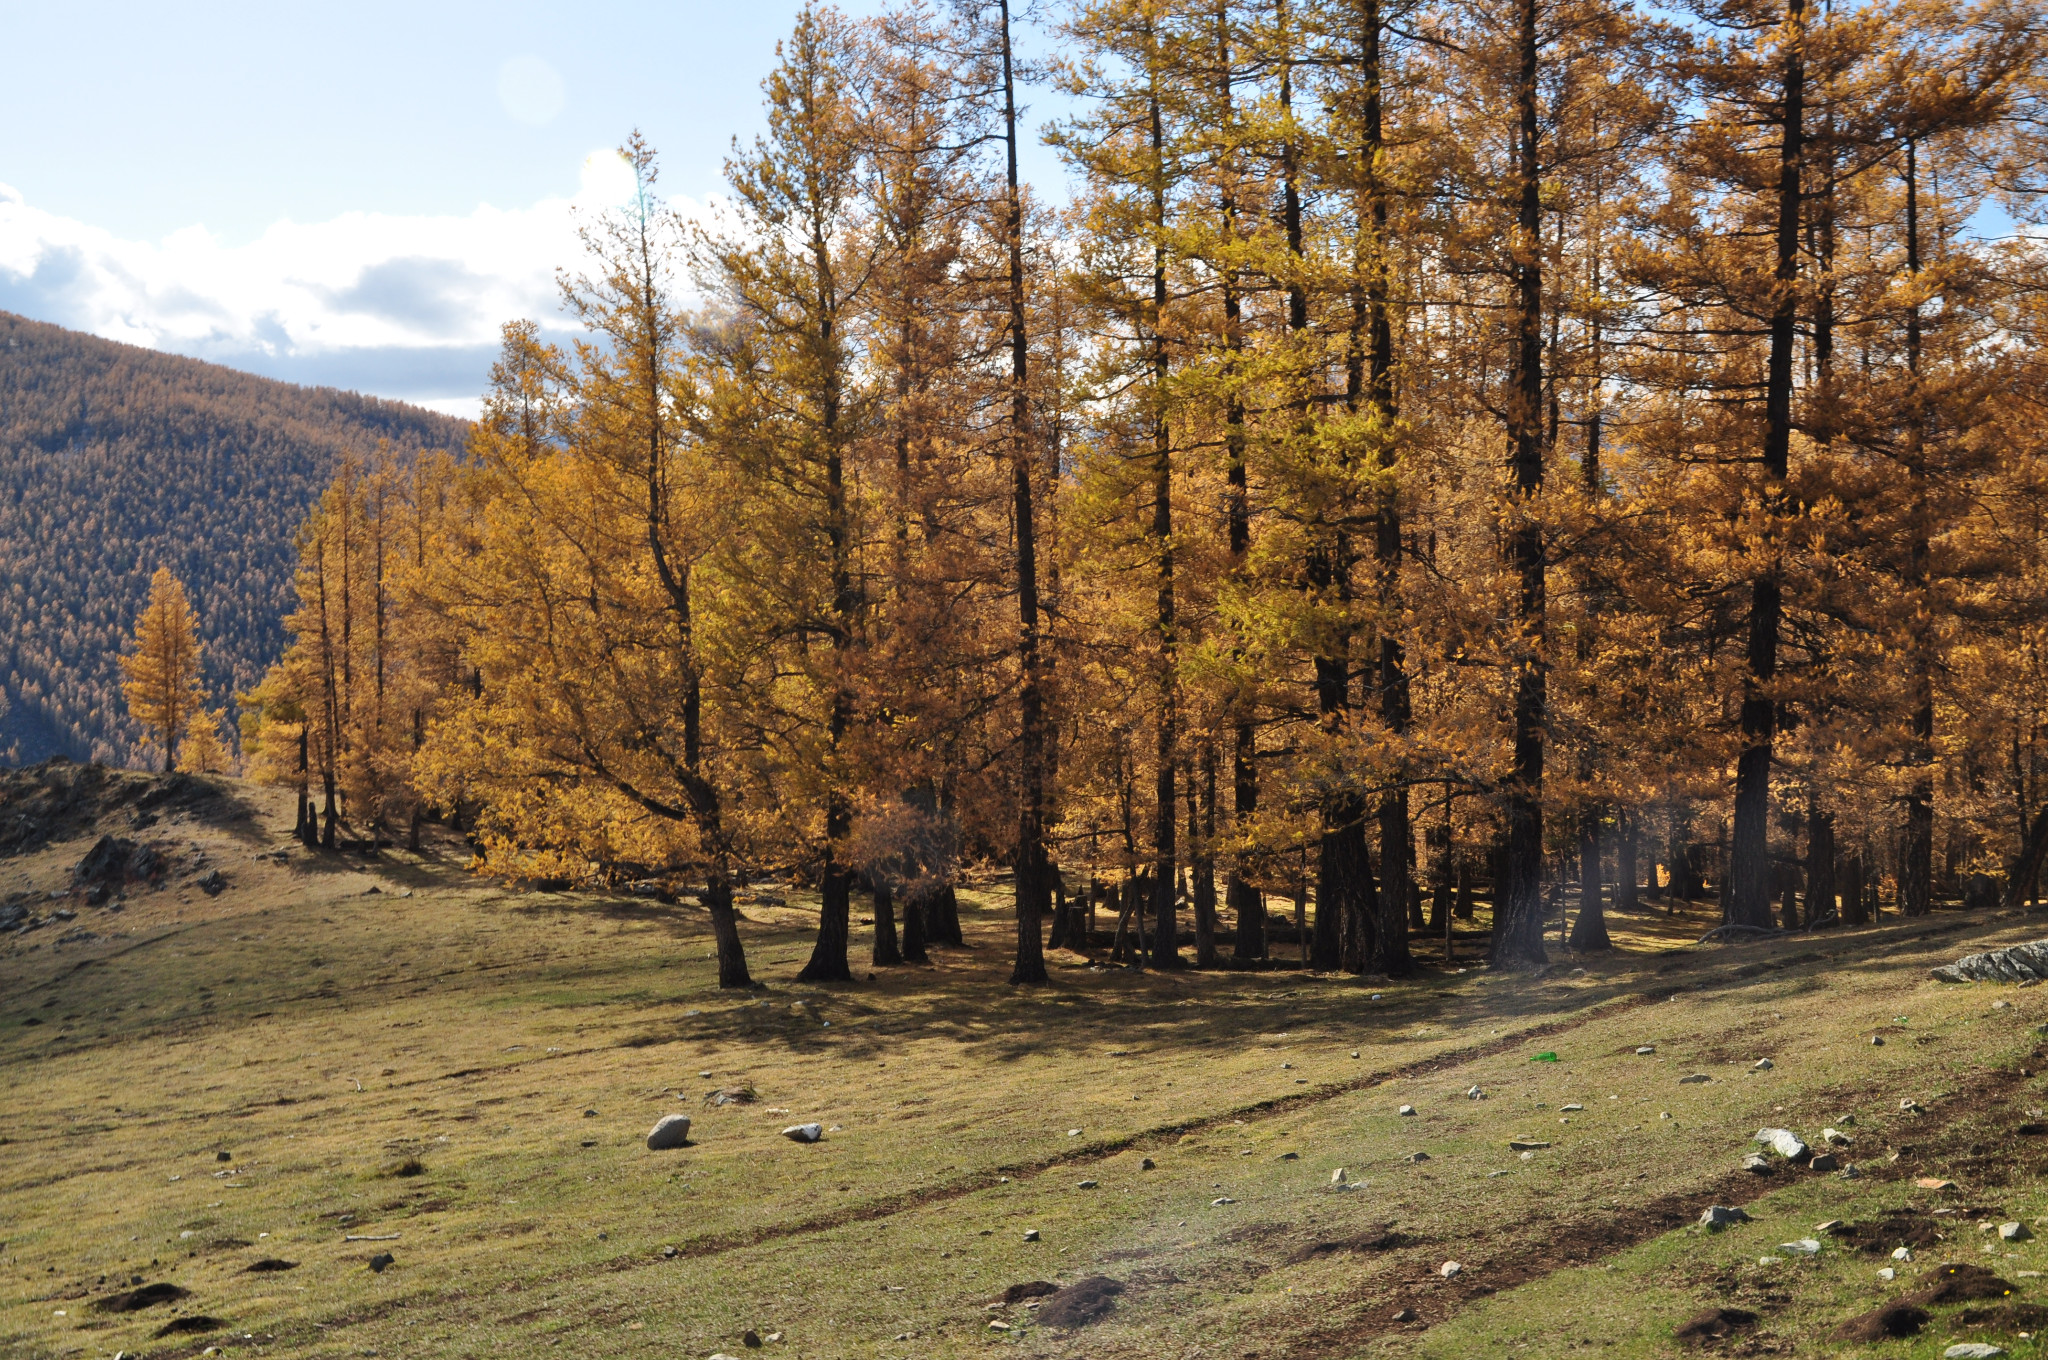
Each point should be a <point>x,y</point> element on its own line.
<point>115,460</point>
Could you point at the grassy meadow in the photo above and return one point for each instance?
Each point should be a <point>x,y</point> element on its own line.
<point>339,1057</point>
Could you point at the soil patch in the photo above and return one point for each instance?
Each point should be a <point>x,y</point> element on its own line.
<point>2004,1317</point>
<point>268,1264</point>
<point>1716,1323</point>
<point>1963,1283</point>
<point>1081,1302</point>
<point>1030,1289</point>
<point>1899,1228</point>
<point>1901,1317</point>
<point>133,1300</point>
<point>1381,1238</point>
<point>185,1326</point>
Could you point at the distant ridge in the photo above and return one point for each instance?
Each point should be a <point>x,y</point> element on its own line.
<point>115,460</point>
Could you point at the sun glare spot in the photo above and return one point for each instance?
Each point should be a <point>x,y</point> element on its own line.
<point>607,179</point>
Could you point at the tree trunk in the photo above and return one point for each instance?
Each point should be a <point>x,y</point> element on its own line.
<point>1820,863</point>
<point>1749,866</point>
<point>1916,871</point>
<point>1626,896</point>
<point>1518,921</point>
<point>725,929</point>
<point>916,906</point>
<point>887,954</point>
<point>1855,906</point>
<point>1589,932</point>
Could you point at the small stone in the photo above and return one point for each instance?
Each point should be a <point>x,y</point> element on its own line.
<point>1089,1185</point>
<point>1805,1246</point>
<point>1934,1183</point>
<point>1762,1065</point>
<point>804,1133</point>
<point>1354,1052</point>
<point>1824,1161</point>
<point>1527,1156</point>
<point>1877,1041</point>
<point>1405,1315</point>
<point>1073,1133</point>
<point>1646,1050</point>
<point>1221,1199</point>
<point>1887,1274</point>
<point>1571,1109</point>
<point>1475,1093</point>
<point>2015,1232</point>
<point>707,1074</point>
<point>381,1260</point>
<point>998,1325</point>
<point>1972,1350</point>
<point>1146,1164</point>
<point>1902,1253</point>
<point>1407,1111</point>
<point>1831,1228</point>
<point>1031,1234</point>
<point>223,1156</point>
<point>590,1114</point>
<point>2001,1005</point>
<point>1718,1216</point>
<point>669,1253</point>
<point>1290,1157</point>
<point>1526,1144</point>
<point>1696,1079</point>
<point>1836,1137</point>
<point>1784,1142</point>
<point>1756,1162</point>
<point>1288,1066</point>
<point>1339,1176</point>
<point>1851,1172</point>
<point>1910,1105</point>
<point>1418,1156</point>
<point>670,1131</point>
<point>751,1339</point>
<point>1450,1269</point>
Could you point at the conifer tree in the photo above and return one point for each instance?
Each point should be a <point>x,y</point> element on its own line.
<point>161,669</point>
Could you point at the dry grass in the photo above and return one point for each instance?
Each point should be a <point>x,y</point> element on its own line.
<point>325,1037</point>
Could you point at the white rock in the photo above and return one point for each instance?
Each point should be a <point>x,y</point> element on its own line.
<point>1407,1110</point>
<point>1338,1177</point>
<point>1887,1274</point>
<point>1646,1050</point>
<point>670,1131</point>
<point>1449,1269</point>
<point>1910,1105</point>
<point>1784,1142</point>
<point>1836,1137</point>
<point>1805,1246</point>
<point>1571,1109</point>
<point>1475,1093</point>
<point>804,1133</point>
<point>998,1325</point>
<point>1762,1065</point>
<point>1073,1133</point>
<point>1221,1199</point>
<point>1031,1234</point>
<point>1972,1350</point>
<point>1902,1254</point>
<point>1718,1216</point>
<point>2014,1232</point>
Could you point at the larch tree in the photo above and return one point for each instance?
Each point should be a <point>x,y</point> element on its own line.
<point>160,670</point>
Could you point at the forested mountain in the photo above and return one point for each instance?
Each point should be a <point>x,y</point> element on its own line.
<point>115,460</point>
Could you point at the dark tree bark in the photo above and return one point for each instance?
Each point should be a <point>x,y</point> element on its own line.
<point>1518,921</point>
<point>725,929</point>
<point>887,953</point>
<point>1855,905</point>
<point>1749,866</point>
<point>916,906</point>
<point>1820,862</point>
<point>1626,893</point>
<point>1589,932</point>
<point>1916,872</point>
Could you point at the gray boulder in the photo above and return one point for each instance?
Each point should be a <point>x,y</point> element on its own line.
<point>804,1133</point>
<point>1784,1142</point>
<point>2021,963</point>
<point>670,1131</point>
<point>1718,1216</point>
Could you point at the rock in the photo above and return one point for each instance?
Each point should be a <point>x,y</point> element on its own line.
<point>214,883</point>
<point>1571,1109</point>
<point>1289,1157</point>
<point>1805,1246</point>
<point>1824,1161</point>
<point>1902,1254</point>
<point>1835,1137</point>
<point>1221,1199</point>
<point>381,1260</point>
<point>1073,1133</point>
<point>1762,1065</point>
<point>1406,1111</point>
<point>1526,1145</point>
<point>1972,1350</point>
<point>1338,1177</point>
<point>1646,1050</point>
<point>1910,1106</point>
<point>1877,1041</point>
<point>1784,1142</point>
<point>804,1133</point>
<point>1756,1162</point>
<point>670,1131</point>
<point>1475,1093</point>
<point>2015,1232</point>
<point>1887,1274</point>
<point>1146,1164</point>
<point>1851,1172</point>
<point>1418,1156</point>
<point>751,1339</point>
<point>1934,1183</point>
<point>1089,1185</point>
<point>1405,1315</point>
<point>994,1325</point>
<point>1718,1216</point>
<point>1450,1270</point>
<point>1031,1234</point>
<point>1696,1079</point>
<point>1832,1228</point>
<point>2001,1005</point>
<point>590,1114</point>
<point>2021,963</point>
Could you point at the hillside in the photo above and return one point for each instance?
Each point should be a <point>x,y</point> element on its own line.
<point>348,1106</point>
<point>116,460</point>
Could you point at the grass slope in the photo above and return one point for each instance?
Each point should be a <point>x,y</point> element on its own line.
<point>323,1035</point>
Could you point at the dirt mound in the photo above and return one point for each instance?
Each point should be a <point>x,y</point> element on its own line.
<point>1030,1289</point>
<point>267,1265</point>
<point>60,800</point>
<point>1901,1317</point>
<point>2004,1317</point>
<point>134,1300</point>
<point>1081,1302</point>
<point>1963,1283</point>
<point>114,861</point>
<point>1381,1238</point>
<point>1716,1323</point>
<point>185,1326</point>
<point>1899,1228</point>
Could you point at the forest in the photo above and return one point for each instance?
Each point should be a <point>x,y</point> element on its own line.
<point>1557,452</point>
<point>117,460</point>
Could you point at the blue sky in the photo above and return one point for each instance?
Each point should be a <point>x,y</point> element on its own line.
<point>347,194</point>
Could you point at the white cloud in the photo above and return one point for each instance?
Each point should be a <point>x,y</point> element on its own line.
<point>405,307</point>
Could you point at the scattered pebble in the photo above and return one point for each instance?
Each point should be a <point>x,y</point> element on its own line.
<point>1696,1079</point>
<point>1902,1254</point>
<point>1031,1234</point>
<point>998,1325</point>
<point>1339,1176</point>
<point>1762,1065</point>
<point>1877,1041</point>
<point>1406,1111</point>
<point>670,1131</point>
<point>1805,1246</point>
<point>1571,1109</point>
<point>1887,1274</point>
<point>1450,1269</point>
<point>1073,1133</point>
<point>1824,1161</point>
<point>1934,1183</point>
<point>1972,1350</point>
<point>1754,1162</point>
<point>1475,1093</point>
<point>1910,1105</point>
<point>1646,1050</point>
<point>1418,1156</point>
<point>1835,1137</point>
<point>2015,1232</point>
<point>804,1133</point>
<point>1718,1216</point>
